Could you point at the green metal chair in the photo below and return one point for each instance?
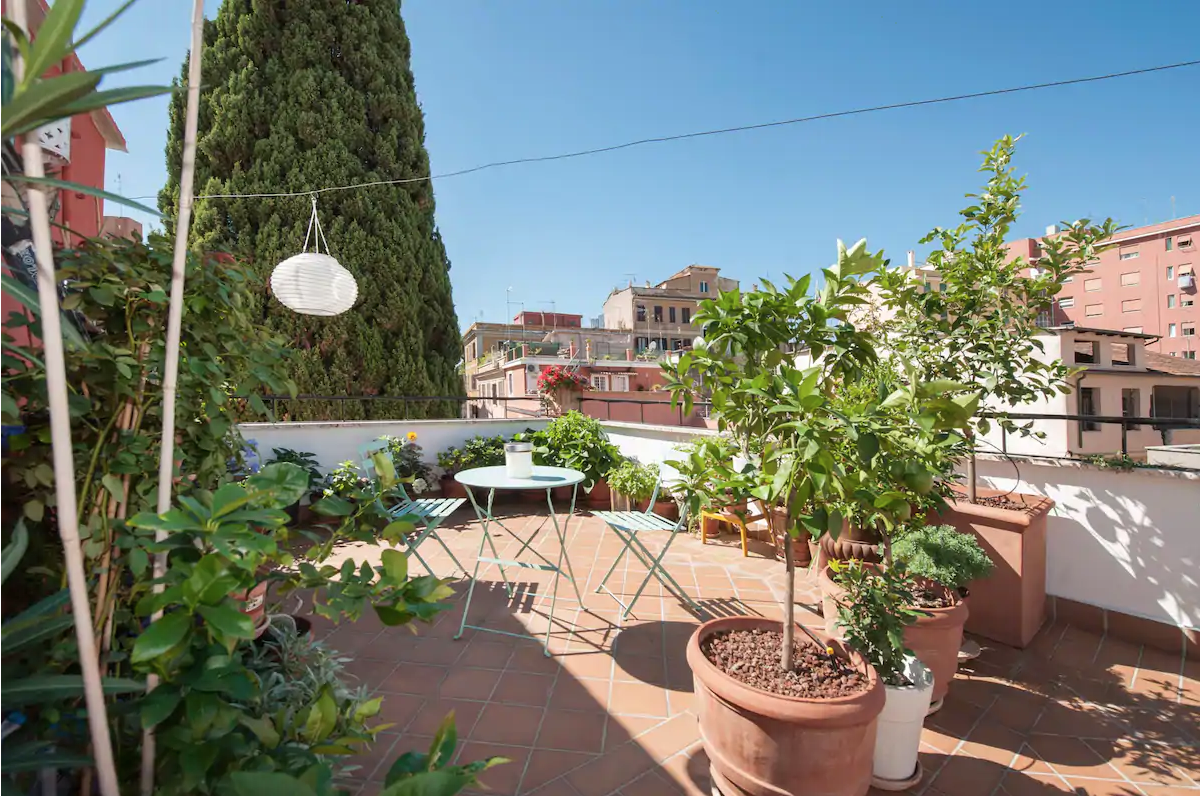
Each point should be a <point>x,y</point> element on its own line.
<point>432,511</point>
<point>628,525</point>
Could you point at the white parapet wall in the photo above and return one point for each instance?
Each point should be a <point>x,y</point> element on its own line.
<point>1127,541</point>
<point>652,444</point>
<point>334,442</point>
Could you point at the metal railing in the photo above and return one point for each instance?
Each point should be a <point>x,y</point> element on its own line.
<point>1127,424</point>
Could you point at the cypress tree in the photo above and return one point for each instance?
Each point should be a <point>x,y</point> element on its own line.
<point>305,94</point>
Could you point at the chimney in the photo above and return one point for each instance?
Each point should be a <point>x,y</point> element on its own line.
<point>571,349</point>
<point>912,259</point>
<point>587,349</point>
<point>1052,229</point>
<point>628,354</point>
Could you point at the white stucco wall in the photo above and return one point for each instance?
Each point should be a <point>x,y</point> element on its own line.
<point>1126,541</point>
<point>332,443</point>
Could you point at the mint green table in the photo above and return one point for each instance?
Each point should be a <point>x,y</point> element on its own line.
<point>544,478</point>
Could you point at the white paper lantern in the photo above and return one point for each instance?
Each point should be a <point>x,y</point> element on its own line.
<point>312,283</point>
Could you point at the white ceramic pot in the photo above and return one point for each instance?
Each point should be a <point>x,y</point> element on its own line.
<point>898,733</point>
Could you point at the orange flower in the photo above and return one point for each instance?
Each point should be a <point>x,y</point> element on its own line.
<point>412,436</point>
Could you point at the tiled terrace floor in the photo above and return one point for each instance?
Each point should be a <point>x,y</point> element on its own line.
<point>610,711</point>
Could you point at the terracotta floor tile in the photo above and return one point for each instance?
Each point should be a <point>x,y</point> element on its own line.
<point>434,712</point>
<point>1158,764</point>
<point>968,776</point>
<point>670,737</point>
<point>399,710</point>
<point>503,779</point>
<point>588,664</point>
<point>622,729</point>
<point>1023,784</point>
<point>414,678</point>
<point>465,683</point>
<point>529,657</point>
<point>572,731</point>
<point>379,756</point>
<point>558,787</point>
<point>579,694</point>
<point>519,688</point>
<point>483,653</point>
<point>516,725</point>
<point>369,671</point>
<point>1072,757</point>
<point>637,699</point>
<point>651,783</point>
<point>348,641</point>
<point>610,772</point>
<point>649,669</point>
<point>993,742</point>
<point>547,764</point>
<point>1077,720</point>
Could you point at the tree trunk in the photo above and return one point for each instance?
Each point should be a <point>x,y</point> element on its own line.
<point>789,602</point>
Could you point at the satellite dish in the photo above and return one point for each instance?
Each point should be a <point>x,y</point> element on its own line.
<point>653,345</point>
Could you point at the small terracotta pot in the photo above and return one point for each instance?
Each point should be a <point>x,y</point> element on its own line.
<point>935,638</point>
<point>255,605</point>
<point>852,543</point>
<point>667,509</point>
<point>451,488</point>
<point>802,550</point>
<point>763,744</point>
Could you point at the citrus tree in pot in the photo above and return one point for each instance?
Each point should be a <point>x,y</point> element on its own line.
<point>981,327</point>
<point>767,725</point>
<point>942,562</point>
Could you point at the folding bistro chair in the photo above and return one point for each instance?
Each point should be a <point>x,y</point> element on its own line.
<point>627,525</point>
<point>376,461</point>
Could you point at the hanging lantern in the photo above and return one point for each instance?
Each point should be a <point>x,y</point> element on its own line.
<point>311,283</point>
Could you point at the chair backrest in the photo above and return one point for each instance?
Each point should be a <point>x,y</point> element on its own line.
<point>367,455</point>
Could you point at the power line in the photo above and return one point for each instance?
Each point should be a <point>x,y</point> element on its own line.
<point>703,133</point>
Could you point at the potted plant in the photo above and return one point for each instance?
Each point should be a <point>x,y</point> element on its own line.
<point>760,735</point>
<point>578,442</point>
<point>451,461</point>
<point>409,460</point>
<point>873,615</point>
<point>633,484</point>
<point>560,387</point>
<point>942,562</point>
<point>307,462</point>
<point>980,327</point>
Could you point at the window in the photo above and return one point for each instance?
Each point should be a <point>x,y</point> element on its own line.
<point>687,315</point>
<point>1091,285</point>
<point>1121,354</point>
<point>1129,255</point>
<point>1187,301</point>
<point>703,287</point>
<point>600,382</point>
<point>1170,272</point>
<point>1170,301</point>
<point>1089,405</point>
<point>1092,310</point>
<point>671,314</point>
<point>1131,405</point>
<point>641,344</point>
<point>677,345</point>
<point>510,384</point>
<point>1066,303</point>
<point>1189,329</point>
<point>1184,243</point>
<point>1131,305</point>
<point>1172,330</point>
<point>1087,352</point>
<point>620,382</point>
<point>1189,354</point>
<point>1170,245</point>
<point>1068,279</point>
<point>1131,279</point>
<point>658,314</point>
<point>641,313</point>
<point>1178,402</point>
<point>1134,329</point>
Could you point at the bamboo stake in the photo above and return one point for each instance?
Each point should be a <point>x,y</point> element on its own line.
<point>64,460</point>
<point>166,462</point>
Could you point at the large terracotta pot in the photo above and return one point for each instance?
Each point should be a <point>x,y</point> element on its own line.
<point>935,639</point>
<point>563,400</point>
<point>451,488</point>
<point>762,744</point>
<point>1009,605</point>
<point>600,497</point>
<point>852,543</point>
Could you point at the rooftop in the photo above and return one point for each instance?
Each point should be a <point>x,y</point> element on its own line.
<point>611,711</point>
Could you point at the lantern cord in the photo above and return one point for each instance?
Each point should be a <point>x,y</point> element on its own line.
<point>314,222</point>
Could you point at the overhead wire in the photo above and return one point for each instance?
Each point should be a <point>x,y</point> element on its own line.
<point>699,134</point>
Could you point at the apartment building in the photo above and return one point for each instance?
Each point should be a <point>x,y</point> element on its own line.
<point>660,316</point>
<point>1145,283</point>
<point>484,342</point>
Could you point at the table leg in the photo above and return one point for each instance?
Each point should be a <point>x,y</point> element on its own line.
<point>485,519</point>
<point>560,532</point>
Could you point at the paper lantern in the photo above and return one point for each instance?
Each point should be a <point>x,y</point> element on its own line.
<point>314,284</point>
<point>311,283</point>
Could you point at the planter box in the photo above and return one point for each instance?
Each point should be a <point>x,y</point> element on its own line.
<point>1009,605</point>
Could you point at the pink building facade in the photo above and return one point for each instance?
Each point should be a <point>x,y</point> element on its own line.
<point>1145,283</point>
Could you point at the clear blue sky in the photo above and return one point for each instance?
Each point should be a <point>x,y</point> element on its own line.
<point>501,80</point>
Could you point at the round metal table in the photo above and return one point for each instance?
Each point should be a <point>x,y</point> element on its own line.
<point>545,478</point>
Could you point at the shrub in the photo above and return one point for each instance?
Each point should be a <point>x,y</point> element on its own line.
<point>873,614</point>
<point>578,442</point>
<point>305,460</point>
<point>345,480</point>
<point>408,458</point>
<point>943,555</point>
<point>633,479</point>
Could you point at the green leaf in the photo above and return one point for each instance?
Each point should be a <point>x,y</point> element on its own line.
<point>441,751</point>
<point>229,498</point>
<point>430,783</point>
<point>284,481</point>
<point>228,620</point>
<point>115,486</point>
<point>14,550</point>
<point>28,298</point>
<point>36,756</point>
<point>44,688</point>
<point>53,40</point>
<point>198,588</point>
<point>159,704</point>
<point>18,635</point>
<point>262,727</point>
<point>79,188</point>
<point>268,783</point>
<point>395,564</point>
<point>115,96</point>
<point>161,636</point>
<point>333,506</point>
<point>322,717</point>
<point>139,560</point>
<point>406,765</point>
